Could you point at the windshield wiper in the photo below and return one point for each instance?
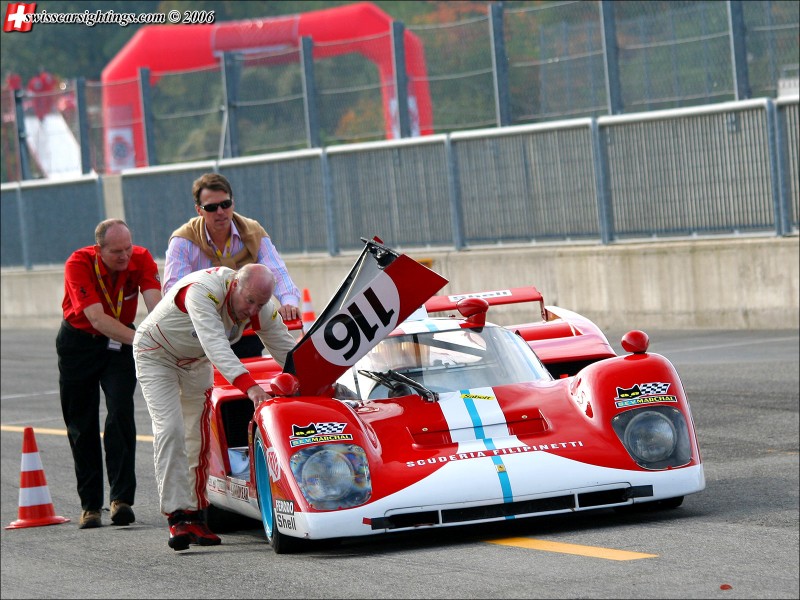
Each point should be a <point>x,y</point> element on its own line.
<point>391,379</point>
<point>429,395</point>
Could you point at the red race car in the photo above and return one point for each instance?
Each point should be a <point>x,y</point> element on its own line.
<point>387,418</point>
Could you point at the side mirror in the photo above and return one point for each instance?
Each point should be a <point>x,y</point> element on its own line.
<point>285,384</point>
<point>635,341</point>
<point>474,310</point>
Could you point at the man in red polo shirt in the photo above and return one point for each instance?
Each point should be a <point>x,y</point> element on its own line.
<point>94,346</point>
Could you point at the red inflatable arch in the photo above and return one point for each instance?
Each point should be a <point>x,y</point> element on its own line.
<point>360,27</point>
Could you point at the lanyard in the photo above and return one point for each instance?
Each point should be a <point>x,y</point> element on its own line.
<point>118,310</point>
<point>227,251</point>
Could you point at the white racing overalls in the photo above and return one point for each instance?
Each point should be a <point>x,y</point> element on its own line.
<point>174,349</point>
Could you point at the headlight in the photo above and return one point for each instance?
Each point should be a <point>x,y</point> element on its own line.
<point>332,476</point>
<point>650,437</point>
<point>655,437</point>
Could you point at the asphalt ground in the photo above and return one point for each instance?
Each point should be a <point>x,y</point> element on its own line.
<point>736,539</point>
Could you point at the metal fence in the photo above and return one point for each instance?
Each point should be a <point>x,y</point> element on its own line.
<point>43,222</point>
<point>494,65</point>
<point>723,169</point>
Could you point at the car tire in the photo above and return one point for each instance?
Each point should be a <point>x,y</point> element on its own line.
<point>281,543</point>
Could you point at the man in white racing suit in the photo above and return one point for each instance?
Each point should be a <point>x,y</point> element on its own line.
<point>191,329</point>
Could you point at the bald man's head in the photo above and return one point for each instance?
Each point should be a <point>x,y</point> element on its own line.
<point>253,287</point>
<point>258,276</point>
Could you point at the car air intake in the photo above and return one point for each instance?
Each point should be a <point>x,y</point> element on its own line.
<point>476,513</point>
<point>431,518</point>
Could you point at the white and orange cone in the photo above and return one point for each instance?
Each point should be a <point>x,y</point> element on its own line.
<point>308,311</point>
<point>35,505</point>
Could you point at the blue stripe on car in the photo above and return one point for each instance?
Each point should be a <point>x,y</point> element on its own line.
<point>505,483</point>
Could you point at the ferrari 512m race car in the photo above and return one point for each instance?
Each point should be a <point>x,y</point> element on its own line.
<point>386,418</point>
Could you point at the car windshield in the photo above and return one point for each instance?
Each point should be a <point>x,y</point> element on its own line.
<point>445,361</point>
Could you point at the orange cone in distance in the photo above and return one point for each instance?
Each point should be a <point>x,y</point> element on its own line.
<point>35,505</point>
<point>308,311</point>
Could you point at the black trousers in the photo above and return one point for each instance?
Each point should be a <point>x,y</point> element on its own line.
<point>86,365</point>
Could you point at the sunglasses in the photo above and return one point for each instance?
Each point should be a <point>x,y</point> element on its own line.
<point>213,207</point>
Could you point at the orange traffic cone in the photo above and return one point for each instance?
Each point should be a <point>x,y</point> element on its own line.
<point>308,311</point>
<point>35,506</point>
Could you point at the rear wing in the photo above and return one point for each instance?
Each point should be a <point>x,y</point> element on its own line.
<point>493,297</point>
<point>564,341</point>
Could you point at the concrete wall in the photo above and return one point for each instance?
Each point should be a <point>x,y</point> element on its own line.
<point>731,283</point>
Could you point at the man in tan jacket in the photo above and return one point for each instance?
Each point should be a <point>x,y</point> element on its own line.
<point>218,236</point>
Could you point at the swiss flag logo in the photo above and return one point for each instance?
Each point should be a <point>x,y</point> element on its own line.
<point>15,17</point>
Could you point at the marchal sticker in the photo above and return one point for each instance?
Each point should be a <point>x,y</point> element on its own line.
<point>643,393</point>
<point>315,433</point>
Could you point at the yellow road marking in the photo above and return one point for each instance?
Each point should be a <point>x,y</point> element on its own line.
<point>47,431</point>
<point>591,551</point>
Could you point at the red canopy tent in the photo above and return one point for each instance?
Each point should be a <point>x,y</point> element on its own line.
<point>172,48</point>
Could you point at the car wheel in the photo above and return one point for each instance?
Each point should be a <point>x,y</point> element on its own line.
<point>281,543</point>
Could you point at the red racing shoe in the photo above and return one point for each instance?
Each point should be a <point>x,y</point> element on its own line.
<point>188,527</point>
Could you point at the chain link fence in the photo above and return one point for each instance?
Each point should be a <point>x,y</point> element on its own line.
<point>270,104</point>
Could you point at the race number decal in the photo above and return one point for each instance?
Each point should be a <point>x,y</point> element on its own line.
<point>354,323</point>
<point>367,318</point>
